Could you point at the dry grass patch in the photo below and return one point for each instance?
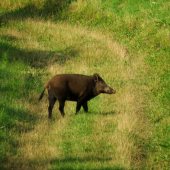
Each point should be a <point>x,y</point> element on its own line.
<point>117,117</point>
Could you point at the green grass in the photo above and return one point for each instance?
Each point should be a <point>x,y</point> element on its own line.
<point>143,26</point>
<point>33,39</point>
<point>80,141</point>
<point>17,80</point>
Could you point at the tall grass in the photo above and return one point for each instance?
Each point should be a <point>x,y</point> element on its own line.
<point>42,39</point>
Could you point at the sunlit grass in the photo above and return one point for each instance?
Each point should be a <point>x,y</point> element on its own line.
<point>82,37</point>
<point>85,53</point>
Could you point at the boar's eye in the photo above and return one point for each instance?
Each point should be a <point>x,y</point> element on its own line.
<point>103,82</point>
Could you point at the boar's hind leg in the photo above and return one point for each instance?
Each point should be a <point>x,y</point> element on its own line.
<point>61,107</point>
<point>52,101</point>
<point>85,107</point>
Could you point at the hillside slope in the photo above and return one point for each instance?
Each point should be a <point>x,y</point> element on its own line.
<point>39,40</point>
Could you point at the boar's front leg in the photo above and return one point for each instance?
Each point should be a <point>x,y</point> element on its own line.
<point>85,107</point>
<point>81,102</point>
<point>78,107</point>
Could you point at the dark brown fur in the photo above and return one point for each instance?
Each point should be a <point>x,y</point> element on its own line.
<point>74,87</point>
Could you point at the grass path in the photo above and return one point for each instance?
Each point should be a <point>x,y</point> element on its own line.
<point>109,137</point>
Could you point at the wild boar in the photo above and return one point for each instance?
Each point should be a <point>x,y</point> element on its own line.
<point>74,87</point>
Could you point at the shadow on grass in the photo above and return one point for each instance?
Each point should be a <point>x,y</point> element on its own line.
<point>15,84</point>
<point>107,113</point>
<point>35,58</point>
<point>48,9</point>
<point>83,163</point>
<point>16,87</point>
<point>98,113</point>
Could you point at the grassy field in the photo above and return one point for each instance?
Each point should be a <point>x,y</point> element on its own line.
<point>127,43</point>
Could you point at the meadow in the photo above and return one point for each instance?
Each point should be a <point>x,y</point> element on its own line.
<point>127,43</point>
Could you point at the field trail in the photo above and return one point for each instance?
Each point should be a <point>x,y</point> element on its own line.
<point>97,140</point>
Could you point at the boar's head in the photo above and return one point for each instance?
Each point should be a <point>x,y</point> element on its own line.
<point>101,86</point>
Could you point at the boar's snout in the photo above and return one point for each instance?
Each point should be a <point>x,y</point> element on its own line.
<point>113,91</point>
<point>109,90</point>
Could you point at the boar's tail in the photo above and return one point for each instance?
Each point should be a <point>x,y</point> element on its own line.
<point>41,96</point>
<point>42,93</point>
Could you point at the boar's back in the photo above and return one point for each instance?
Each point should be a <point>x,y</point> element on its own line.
<point>72,86</point>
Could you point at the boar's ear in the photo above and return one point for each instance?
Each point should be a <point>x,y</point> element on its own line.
<point>96,77</point>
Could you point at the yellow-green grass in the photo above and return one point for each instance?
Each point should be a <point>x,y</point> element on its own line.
<point>45,48</point>
<point>109,135</point>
